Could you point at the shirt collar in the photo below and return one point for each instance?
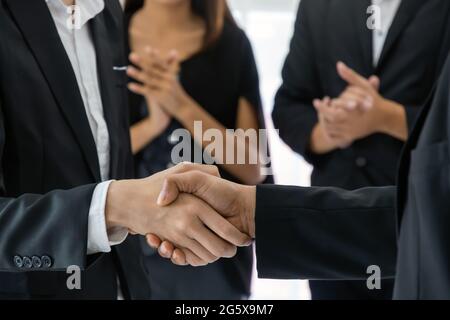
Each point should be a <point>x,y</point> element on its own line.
<point>88,8</point>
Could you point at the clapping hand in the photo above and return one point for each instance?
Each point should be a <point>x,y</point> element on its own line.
<point>158,78</point>
<point>359,111</point>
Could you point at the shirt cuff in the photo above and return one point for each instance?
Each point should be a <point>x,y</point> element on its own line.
<point>99,238</point>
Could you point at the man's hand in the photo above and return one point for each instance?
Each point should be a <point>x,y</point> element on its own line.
<point>189,223</point>
<point>323,138</point>
<point>235,202</point>
<point>379,115</point>
<point>358,112</point>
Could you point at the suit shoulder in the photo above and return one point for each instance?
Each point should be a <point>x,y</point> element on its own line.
<point>313,8</point>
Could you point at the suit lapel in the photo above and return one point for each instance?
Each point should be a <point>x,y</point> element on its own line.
<point>36,24</point>
<point>349,41</point>
<point>106,82</point>
<point>406,12</point>
<point>405,159</point>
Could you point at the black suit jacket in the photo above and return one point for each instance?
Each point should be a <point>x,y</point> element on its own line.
<point>49,164</point>
<point>328,233</point>
<point>327,31</point>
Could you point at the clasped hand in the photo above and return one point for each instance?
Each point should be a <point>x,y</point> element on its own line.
<point>188,207</point>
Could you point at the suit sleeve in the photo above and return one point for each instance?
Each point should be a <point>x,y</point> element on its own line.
<point>53,225</point>
<point>294,115</point>
<point>412,113</point>
<point>325,233</point>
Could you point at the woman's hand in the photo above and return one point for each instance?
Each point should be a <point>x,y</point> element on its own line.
<point>159,82</point>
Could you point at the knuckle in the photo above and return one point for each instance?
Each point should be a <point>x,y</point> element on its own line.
<point>214,170</point>
<point>179,226</point>
<point>184,166</point>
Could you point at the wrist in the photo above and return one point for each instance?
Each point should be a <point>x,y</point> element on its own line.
<point>114,215</point>
<point>185,112</point>
<point>151,129</point>
<point>319,142</point>
<point>393,119</point>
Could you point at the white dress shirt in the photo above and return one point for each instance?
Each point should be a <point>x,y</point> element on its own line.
<point>80,49</point>
<point>388,10</point>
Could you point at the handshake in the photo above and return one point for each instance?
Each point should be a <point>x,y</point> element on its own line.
<point>187,212</point>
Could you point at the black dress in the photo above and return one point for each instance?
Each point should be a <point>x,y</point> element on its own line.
<point>216,78</point>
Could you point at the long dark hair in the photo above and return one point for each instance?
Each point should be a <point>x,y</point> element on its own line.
<point>214,12</point>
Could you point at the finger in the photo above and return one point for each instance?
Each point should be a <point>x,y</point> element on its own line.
<point>158,74</point>
<point>375,82</point>
<point>352,77</point>
<point>356,91</point>
<point>137,75</point>
<point>148,60</point>
<point>321,105</point>
<point>224,229</point>
<point>217,246</point>
<point>352,101</point>
<point>199,250</point>
<point>138,89</point>
<point>365,99</point>
<point>147,79</point>
<point>173,61</point>
<point>335,114</point>
<point>187,182</point>
<point>179,257</point>
<point>184,256</point>
<point>166,249</point>
<point>135,58</point>
<point>153,241</point>
<point>155,59</point>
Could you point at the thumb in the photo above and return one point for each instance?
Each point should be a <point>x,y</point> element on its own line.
<point>189,182</point>
<point>169,193</point>
<point>351,76</point>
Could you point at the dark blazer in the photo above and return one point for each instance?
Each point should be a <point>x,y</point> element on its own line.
<point>329,233</point>
<point>49,164</point>
<point>327,31</point>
